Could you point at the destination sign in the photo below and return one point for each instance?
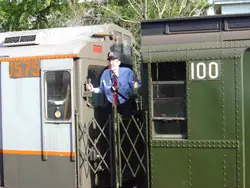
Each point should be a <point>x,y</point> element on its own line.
<point>24,68</point>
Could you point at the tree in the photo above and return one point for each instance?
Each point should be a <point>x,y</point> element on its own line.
<point>18,15</point>
<point>129,13</point>
<point>35,14</point>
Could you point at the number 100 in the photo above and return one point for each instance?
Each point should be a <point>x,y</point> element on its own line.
<point>201,71</point>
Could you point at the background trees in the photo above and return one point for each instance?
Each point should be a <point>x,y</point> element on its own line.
<point>37,14</point>
<point>32,14</point>
<point>129,13</point>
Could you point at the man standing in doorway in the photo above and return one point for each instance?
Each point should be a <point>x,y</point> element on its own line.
<point>117,83</point>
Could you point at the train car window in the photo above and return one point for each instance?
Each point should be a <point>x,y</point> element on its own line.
<point>58,95</point>
<point>127,45</point>
<point>118,46</point>
<point>94,76</point>
<point>169,99</point>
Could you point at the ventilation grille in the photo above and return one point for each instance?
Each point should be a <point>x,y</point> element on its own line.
<point>20,40</point>
<point>11,40</point>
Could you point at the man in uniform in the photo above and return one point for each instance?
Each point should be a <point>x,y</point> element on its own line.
<point>117,83</point>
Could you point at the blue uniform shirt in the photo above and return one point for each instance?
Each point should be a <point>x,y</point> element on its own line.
<point>126,79</point>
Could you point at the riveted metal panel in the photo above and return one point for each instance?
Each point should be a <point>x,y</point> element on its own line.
<point>204,54</point>
<point>218,168</point>
<point>149,107</point>
<point>215,144</point>
<point>206,50</point>
<point>169,168</point>
<point>205,109</point>
<point>218,131</point>
<point>195,38</point>
<point>211,105</point>
<point>165,56</point>
<point>228,97</point>
<point>182,167</point>
<point>242,43</point>
<point>240,152</point>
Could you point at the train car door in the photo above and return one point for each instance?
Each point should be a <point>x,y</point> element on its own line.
<point>93,166</point>
<point>57,117</point>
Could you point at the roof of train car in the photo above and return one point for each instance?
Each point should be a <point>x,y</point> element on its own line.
<point>190,38</point>
<point>68,40</point>
<point>192,25</point>
<point>197,18</point>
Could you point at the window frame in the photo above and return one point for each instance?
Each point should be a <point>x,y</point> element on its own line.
<point>170,136</point>
<point>97,99</point>
<point>50,121</point>
<point>130,45</point>
<point>167,118</point>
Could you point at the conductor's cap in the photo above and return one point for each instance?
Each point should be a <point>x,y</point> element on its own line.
<point>113,55</point>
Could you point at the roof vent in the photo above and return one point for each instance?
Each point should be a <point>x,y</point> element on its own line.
<point>20,40</point>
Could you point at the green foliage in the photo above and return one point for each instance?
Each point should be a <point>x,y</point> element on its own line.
<point>129,13</point>
<point>36,14</point>
<point>31,14</point>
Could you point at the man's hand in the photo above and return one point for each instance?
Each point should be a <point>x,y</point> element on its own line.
<point>113,89</point>
<point>89,87</point>
<point>136,85</point>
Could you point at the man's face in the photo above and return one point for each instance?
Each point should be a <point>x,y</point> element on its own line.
<point>114,64</point>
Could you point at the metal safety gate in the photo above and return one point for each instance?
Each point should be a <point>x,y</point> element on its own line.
<point>111,153</point>
<point>130,144</point>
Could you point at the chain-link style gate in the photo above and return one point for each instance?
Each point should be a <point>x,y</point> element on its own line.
<point>129,134</point>
<point>112,153</point>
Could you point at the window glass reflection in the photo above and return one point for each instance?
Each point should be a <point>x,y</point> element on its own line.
<point>58,99</point>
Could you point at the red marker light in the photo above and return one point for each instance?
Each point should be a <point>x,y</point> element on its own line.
<point>97,49</point>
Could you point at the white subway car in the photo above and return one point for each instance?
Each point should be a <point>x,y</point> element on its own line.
<point>53,133</point>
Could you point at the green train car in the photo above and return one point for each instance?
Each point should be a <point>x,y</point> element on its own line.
<point>196,90</point>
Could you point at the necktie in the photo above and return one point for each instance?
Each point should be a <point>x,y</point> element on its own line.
<point>115,85</point>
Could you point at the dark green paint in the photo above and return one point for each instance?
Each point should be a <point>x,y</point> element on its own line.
<point>189,167</point>
<point>205,110</point>
<point>188,52</point>
<point>170,167</point>
<point>228,94</point>
<point>246,82</point>
<point>211,106</point>
<point>230,144</point>
<point>240,155</point>
<point>207,173</point>
<point>216,152</point>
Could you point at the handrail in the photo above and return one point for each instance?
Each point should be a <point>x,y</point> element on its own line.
<point>78,180</point>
